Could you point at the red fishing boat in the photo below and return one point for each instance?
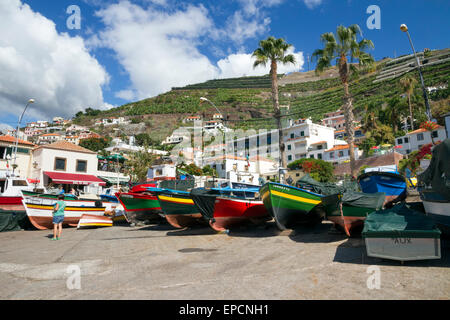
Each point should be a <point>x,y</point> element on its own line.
<point>230,212</point>
<point>224,208</point>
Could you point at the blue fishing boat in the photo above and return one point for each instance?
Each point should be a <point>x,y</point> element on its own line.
<point>109,196</point>
<point>392,184</point>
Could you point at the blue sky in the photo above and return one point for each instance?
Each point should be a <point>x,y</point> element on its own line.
<point>128,50</point>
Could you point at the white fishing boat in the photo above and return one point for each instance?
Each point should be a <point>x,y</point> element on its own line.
<point>94,221</point>
<point>40,211</point>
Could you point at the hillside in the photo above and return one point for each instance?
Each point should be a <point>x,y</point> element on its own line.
<point>247,100</point>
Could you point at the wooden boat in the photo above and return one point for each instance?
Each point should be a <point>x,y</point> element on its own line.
<point>140,206</point>
<point>435,186</point>
<point>391,183</point>
<point>10,192</point>
<point>225,208</point>
<point>178,207</point>
<point>39,211</point>
<point>354,207</point>
<point>400,233</point>
<point>290,205</point>
<point>94,221</point>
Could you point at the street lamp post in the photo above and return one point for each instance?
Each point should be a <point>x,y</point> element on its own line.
<point>404,28</point>
<point>17,134</point>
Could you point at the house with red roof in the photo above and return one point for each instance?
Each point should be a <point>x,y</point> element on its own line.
<point>24,156</point>
<point>414,140</point>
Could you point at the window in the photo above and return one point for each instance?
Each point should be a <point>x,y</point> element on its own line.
<point>311,156</point>
<point>319,156</point>
<point>434,134</point>
<point>319,147</point>
<point>289,147</point>
<point>4,151</point>
<point>331,155</point>
<point>81,166</point>
<point>400,141</point>
<point>420,137</point>
<point>290,158</point>
<point>60,164</point>
<point>297,174</point>
<point>408,151</point>
<point>406,140</point>
<point>292,136</point>
<point>341,154</point>
<point>302,133</point>
<point>20,183</point>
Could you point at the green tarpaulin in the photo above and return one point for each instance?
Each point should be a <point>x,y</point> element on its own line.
<point>399,221</point>
<point>308,183</point>
<point>364,200</point>
<point>437,175</point>
<point>183,185</point>
<point>14,221</point>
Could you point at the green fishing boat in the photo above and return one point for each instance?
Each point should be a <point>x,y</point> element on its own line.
<point>290,205</point>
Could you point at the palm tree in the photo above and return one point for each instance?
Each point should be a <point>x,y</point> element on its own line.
<point>345,46</point>
<point>408,83</point>
<point>395,108</point>
<point>274,51</point>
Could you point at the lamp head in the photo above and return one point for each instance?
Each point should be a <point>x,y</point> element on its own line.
<point>203,99</point>
<point>404,28</point>
<point>31,101</point>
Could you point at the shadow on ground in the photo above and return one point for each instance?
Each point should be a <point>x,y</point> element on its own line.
<point>320,233</point>
<point>354,251</point>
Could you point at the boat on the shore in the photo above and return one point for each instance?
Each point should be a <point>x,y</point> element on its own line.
<point>290,205</point>
<point>403,234</point>
<point>226,207</point>
<point>392,184</point>
<point>354,207</point>
<point>40,211</point>
<point>94,221</point>
<point>435,186</point>
<point>10,192</point>
<point>140,206</point>
<point>178,207</point>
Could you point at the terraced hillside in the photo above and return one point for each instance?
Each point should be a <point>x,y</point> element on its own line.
<point>247,101</point>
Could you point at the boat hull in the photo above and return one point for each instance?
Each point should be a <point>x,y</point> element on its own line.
<point>229,212</point>
<point>41,215</point>
<point>440,213</point>
<point>94,221</point>
<point>179,210</point>
<point>290,206</point>
<point>140,206</point>
<point>352,218</point>
<point>10,201</point>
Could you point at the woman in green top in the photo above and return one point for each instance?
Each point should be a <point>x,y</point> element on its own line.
<point>58,217</point>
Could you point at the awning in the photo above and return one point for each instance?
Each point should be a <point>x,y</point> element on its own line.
<point>112,180</point>
<point>71,178</point>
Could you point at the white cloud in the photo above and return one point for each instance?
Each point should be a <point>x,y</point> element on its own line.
<point>38,62</point>
<point>160,50</point>
<point>312,3</point>
<point>238,65</point>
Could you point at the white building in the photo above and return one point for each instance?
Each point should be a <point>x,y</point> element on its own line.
<point>24,157</point>
<point>114,121</point>
<point>414,140</point>
<point>49,138</point>
<point>162,172</point>
<point>63,163</point>
<point>340,153</point>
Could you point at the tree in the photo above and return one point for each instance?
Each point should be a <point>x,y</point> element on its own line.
<point>319,170</point>
<point>274,51</point>
<point>94,144</point>
<point>408,83</point>
<point>345,46</point>
<point>396,106</point>
<point>138,165</point>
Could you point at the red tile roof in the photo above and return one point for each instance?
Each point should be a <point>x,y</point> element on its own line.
<point>11,139</point>
<point>66,146</point>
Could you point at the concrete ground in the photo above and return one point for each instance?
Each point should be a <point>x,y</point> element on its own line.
<point>159,262</point>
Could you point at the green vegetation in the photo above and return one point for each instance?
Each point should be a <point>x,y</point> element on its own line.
<point>94,144</point>
<point>319,170</point>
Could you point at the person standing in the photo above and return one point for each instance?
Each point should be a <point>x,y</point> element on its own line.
<point>58,217</point>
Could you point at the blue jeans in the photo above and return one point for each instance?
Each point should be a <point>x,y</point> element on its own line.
<point>58,219</point>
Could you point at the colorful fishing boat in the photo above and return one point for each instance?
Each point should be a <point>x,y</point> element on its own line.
<point>94,221</point>
<point>290,205</point>
<point>225,208</point>
<point>391,183</point>
<point>70,199</point>
<point>178,207</point>
<point>10,192</point>
<point>142,206</point>
<point>40,212</point>
<point>403,234</point>
<point>435,186</point>
<point>354,207</point>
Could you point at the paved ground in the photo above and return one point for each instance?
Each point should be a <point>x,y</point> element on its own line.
<point>159,262</point>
